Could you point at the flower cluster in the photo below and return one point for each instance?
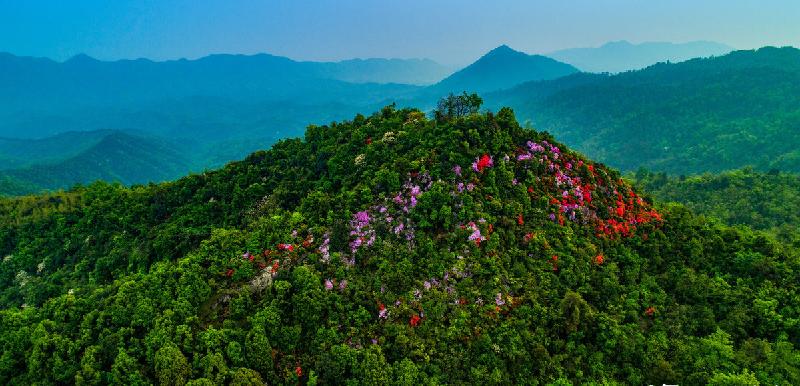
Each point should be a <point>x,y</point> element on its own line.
<point>359,227</point>
<point>324,248</point>
<point>482,162</point>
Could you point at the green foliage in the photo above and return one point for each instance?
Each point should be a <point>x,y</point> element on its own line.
<point>291,267</point>
<point>171,366</point>
<point>762,201</point>
<point>456,106</point>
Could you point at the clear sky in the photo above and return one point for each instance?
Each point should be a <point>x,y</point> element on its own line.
<point>449,31</point>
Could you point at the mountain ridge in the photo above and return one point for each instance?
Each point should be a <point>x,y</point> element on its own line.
<point>620,56</point>
<point>719,105</point>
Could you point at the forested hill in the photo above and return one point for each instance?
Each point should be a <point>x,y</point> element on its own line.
<point>701,115</point>
<point>391,249</point>
<point>765,201</point>
<point>111,156</point>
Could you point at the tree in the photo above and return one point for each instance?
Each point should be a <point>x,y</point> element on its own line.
<point>246,377</point>
<point>456,106</point>
<point>172,368</point>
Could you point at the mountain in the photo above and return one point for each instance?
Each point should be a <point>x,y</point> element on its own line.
<point>623,56</point>
<point>16,152</point>
<point>38,93</point>
<point>501,68</point>
<point>218,108</point>
<point>115,157</point>
<point>702,115</point>
<point>391,249</point>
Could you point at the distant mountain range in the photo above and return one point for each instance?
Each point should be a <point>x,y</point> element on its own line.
<point>701,115</point>
<point>213,109</point>
<point>682,118</point>
<point>624,56</point>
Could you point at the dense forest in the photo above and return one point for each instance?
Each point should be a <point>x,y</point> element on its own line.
<point>702,115</point>
<point>392,249</point>
<point>762,201</point>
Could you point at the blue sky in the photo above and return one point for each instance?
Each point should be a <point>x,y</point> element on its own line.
<point>451,32</point>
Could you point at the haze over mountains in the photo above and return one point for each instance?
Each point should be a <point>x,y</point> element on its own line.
<point>622,55</point>
<point>219,108</point>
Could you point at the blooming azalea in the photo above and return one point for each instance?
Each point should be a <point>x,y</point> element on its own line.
<point>599,259</point>
<point>483,162</point>
<point>414,321</point>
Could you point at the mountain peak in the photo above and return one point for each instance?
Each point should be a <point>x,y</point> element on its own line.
<point>503,50</point>
<point>501,68</point>
<point>81,59</point>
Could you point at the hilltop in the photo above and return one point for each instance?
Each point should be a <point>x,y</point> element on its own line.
<point>391,249</point>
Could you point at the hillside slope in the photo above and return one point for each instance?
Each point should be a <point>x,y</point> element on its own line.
<point>391,249</point>
<point>17,152</point>
<point>765,201</point>
<point>116,157</point>
<point>700,115</point>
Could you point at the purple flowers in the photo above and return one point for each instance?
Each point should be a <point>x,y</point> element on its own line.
<point>457,170</point>
<point>342,285</point>
<point>328,284</point>
<point>476,235</point>
<point>383,312</point>
<point>498,300</point>
<point>535,147</point>
<point>360,229</point>
<point>324,249</point>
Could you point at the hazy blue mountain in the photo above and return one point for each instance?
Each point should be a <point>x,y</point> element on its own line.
<point>376,70</point>
<point>701,115</point>
<point>115,157</point>
<point>16,152</point>
<point>40,97</point>
<point>623,56</point>
<point>502,68</point>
